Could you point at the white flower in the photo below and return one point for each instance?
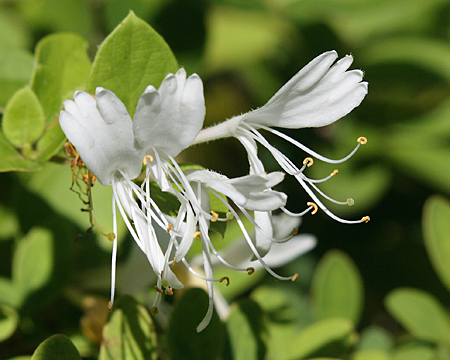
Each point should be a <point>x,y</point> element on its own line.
<point>113,146</point>
<point>317,95</point>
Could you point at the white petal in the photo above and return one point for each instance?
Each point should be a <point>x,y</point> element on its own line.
<point>261,242</point>
<point>101,131</point>
<point>316,96</point>
<point>170,119</point>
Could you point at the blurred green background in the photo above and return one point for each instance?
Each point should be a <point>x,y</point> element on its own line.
<point>244,51</point>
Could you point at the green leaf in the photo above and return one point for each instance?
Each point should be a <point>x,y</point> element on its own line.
<point>337,288</point>
<point>375,338</point>
<point>62,66</point>
<point>436,232</point>
<point>9,320</point>
<point>16,66</point>
<point>33,261</point>
<point>414,352</point>
<point>370,355</point>
<point>185,342</point>
<point>323,338</point>
<point>8,293</point>
<point>23,120</point>
<point>129,333</point>
<point>420,313</point>
<point>50,143</point>
<point>56,347</point>
<point>9,223</point>
<point>247,331</point>
<point>132,57</point>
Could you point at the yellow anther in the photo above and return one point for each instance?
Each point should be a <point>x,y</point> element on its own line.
<point>250,270</point>
<point>168,291</point>
<point>225,278</point>
<point>294,232</point>
<point>362,140</point>
<point>308,161</point>
<point>170,227</point>
<point>154,310</point>
<point>365,219</point>
<point>197,234</point>
<point>295,277</point>
<point>147,158</point>
<point>110,306</point>
<point>334,172</point>
<point>215,216</point>
<point>111,236</point>
<point>158,289</point>
<point>316,208</point>
<point>174,262</point>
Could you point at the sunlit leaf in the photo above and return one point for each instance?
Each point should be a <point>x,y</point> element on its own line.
<point>129,333</point>
<point>247,331</point>
<point>23,120</point>
<point>370,355</point>
<point>56,347</point>
<point>186,343</point>
<point>414,352</point>
<point>33,261</point>
<point>420,313</point>
<point>333,335</point>
<point>436,228</point>
<point>375,338</point>
<point>61,67</point>
<point>337,288</point>
<point>9,320</point>
<point>132,57</point>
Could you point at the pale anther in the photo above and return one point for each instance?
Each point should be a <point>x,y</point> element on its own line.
<point>147,158</point>
<point>215,216</point>
<point>316,208</point>
<point>230,215</point>
<point>362,140</point>
<point>308,161</point>
<point>350,202</point>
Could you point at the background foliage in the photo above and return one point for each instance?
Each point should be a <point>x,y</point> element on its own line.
<point>378,291</point>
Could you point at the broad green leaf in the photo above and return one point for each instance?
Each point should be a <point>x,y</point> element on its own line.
<point>23,120</point>
<point>337,288</point>
<point>33,261</point>
<point>9,320</point>
<point>414,352</point>
<point>13,33</point>
<point>61,67</point>
<point>16,66</point>
<point>420,313</point>
<point>333,335</point>
<point>129,333</point>
<point>50,143</point>
<point>185,342</point>
<point>375,338</point>
<point>436,232</point>
<point>132,57</point>
<point>56,347</point>
<point>11,160</point>
<point>8,293</point>
<point>247,331</point>
<point>370,355</point>
<point>9,224</point>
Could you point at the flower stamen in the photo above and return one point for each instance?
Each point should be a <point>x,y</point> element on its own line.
<point>225,278</point>
<point>314,205</point>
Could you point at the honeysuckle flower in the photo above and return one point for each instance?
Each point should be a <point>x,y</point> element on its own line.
<point>318,95</point>
<point>113,147</point>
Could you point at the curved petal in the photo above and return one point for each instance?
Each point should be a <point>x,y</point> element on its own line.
<point>170,118</point>
<point>101,131</point>
<point>317,96</point>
